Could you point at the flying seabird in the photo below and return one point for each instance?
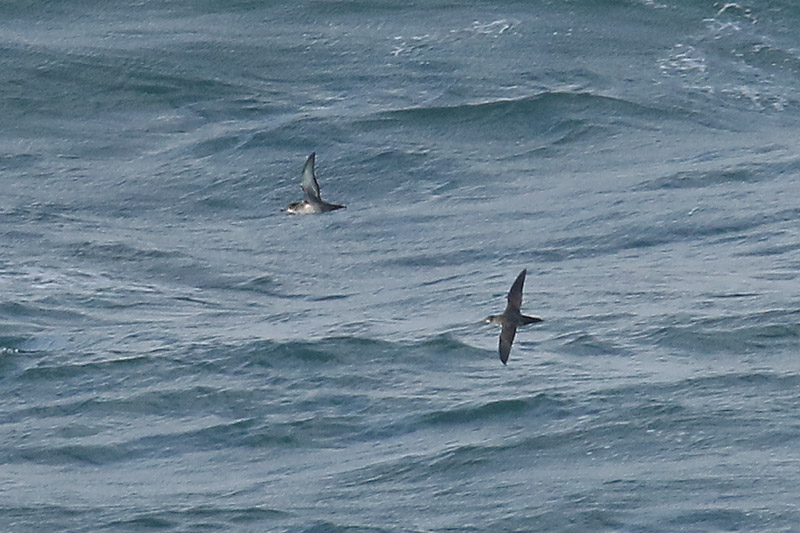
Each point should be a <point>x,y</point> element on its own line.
<point>512,317</point>
<point>313,203</point>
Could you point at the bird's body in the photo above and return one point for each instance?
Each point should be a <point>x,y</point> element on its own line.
<point>307,207</point>
<point>313,203</point>
<point>512,317</point>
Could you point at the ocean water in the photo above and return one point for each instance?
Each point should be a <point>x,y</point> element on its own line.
<point>179,354</point>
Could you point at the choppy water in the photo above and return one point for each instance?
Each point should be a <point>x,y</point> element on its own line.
<point>176,353</point>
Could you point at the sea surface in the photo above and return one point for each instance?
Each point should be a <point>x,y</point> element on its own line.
<point>177,353</point>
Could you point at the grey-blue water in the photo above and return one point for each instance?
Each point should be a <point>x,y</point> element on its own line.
<point>178,353</point>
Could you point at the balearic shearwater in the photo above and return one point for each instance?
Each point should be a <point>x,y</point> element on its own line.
<point>313,203</point>
<point>512,317</point>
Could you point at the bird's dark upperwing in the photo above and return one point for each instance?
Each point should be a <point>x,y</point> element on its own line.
<point>309,183</point>
<point>515,294</point>
<point>506,340</point>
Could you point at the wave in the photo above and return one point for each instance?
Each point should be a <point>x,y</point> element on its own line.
<point>257,395</point>
<point>632,420</point>
<point>583,343</point>
<point>73,453</point>
<point>695,179</point>
<point>118,81</point>
<point>440,258</point>
<point>537,405</point>
<point>711,227</point>
<point>735,335</point>
<point>38,314</point>
<point>118,251</point>
<point>201,516</point>
<point>750,173</point>
<point>71,369</point>
<point>561,117</point>
<point>335,350</point>
<point>11,344</point>
<point>552,105</point>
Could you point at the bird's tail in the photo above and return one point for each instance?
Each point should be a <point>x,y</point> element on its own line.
<point>530,320</point>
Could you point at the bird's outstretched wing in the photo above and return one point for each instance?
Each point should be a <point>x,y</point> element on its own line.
<point>506,340</point>
<point>309,183</point>
<point>515,294</point>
